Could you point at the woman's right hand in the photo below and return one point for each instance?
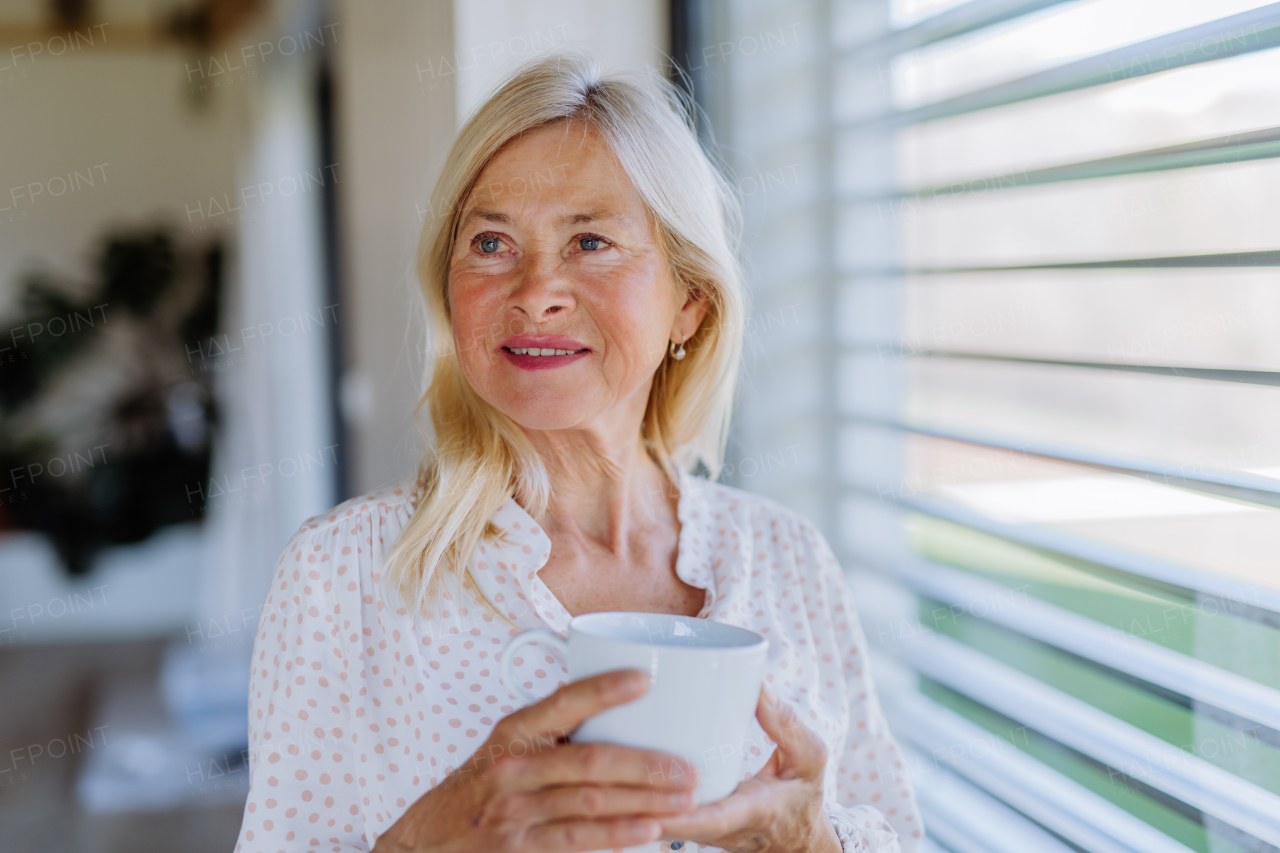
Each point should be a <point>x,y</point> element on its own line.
<point>528,789</point>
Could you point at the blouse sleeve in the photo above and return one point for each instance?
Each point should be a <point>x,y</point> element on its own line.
<point>874,809</point>
<point>302,792</point>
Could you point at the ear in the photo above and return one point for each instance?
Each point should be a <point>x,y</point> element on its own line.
<point>690,315</point>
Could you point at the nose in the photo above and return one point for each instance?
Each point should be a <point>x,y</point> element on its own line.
<point>543,291</point>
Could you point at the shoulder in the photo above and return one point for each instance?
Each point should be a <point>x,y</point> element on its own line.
<point>783,547</point>
<point>773,537</point>
<point>757,510</point>
<point>388,500</point>
<point>332,564</point>
<point>382,513</point>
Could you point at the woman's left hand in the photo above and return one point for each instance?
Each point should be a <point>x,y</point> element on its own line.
<point>779,809</point>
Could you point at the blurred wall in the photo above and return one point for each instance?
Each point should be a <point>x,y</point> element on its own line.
<point>393,132</point>
<point>494,38</point>
<point>104,94</point>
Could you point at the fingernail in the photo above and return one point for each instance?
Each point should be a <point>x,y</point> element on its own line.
<point>769,698</point>
<point>629,681</point>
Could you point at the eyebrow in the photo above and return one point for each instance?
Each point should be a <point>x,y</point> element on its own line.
<point>570,219</point>
<point>589,216</point>
<point>489,215</point>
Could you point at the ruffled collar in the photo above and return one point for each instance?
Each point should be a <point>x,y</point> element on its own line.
<point>506,569</point>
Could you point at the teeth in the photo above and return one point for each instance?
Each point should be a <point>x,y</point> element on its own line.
<point>540,352</point>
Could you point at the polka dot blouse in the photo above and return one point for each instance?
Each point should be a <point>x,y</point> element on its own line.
<point>357,707</point>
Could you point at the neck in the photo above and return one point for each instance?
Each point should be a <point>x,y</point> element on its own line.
<point>601,490</point>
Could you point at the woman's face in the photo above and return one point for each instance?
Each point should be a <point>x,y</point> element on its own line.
<point>555,255</point>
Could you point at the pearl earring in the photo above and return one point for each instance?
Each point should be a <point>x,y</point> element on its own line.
<point>677,354</point>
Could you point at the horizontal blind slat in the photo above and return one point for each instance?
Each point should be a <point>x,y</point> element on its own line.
<point>1044,795</point>
<point>1209,374</point>
<point>1233,148</point>
<point>968,820</point>
<point>1254,707</point>
<point>966,18</point>
<point>1259,490</point>
<point>1247,32</point>
<point>1259,258</point>
<point>1247,601</point>
<point>1096,734</point>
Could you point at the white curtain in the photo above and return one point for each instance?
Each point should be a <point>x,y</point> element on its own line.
<point>275,462</point>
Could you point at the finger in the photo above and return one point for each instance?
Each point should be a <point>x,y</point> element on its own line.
<point>715,820</point>
<point>594,801</point>
<point>598,764</point>
<point>566,708</point>
<point>801,751</point>
<point>576,836</point>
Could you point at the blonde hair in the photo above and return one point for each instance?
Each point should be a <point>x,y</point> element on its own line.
<point>480,456</point>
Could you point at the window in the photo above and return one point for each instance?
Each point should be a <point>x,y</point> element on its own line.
<point>1017,323</point>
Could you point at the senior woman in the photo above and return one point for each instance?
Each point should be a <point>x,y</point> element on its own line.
<point>588,315</point>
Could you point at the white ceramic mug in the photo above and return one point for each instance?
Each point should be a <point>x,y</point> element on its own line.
<point>704,682</point>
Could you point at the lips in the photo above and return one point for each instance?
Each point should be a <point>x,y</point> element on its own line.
<point>542,352</point>
<point>538,343</point>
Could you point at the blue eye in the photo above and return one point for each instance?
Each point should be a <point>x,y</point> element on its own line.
<point>589,244</point>
<point>489,245</point>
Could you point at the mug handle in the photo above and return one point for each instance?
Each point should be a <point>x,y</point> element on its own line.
<point>518,641</point>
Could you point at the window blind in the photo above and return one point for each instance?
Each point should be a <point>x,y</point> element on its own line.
<point>1031,384</point>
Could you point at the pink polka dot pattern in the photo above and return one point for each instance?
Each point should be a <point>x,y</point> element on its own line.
<point>358,707</point>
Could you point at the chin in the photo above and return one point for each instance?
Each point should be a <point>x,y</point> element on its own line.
<point>547,414</point>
